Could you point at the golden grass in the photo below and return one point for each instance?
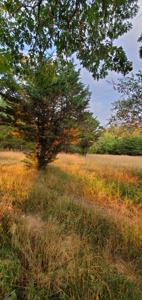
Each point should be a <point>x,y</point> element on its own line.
<point>58,251</point>
<point>102,179</point>
<point>72,234</point>
<point>15,182</point>
<point>11,156</point>
<point>111,165</point>
<point>118,161</point>
<point>94,178</point>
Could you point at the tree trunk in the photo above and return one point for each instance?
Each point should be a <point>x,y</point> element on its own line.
<point>41,147</point>
<point>41,157</point>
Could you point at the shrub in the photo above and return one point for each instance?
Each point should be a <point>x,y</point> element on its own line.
<point>109,144</point>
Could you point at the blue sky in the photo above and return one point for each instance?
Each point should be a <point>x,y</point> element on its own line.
<point>103,93</point>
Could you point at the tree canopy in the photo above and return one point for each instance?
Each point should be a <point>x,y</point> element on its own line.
<point>128,110</point>
<point>87,28</point>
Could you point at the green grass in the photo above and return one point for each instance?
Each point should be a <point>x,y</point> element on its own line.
<point>123,191</point>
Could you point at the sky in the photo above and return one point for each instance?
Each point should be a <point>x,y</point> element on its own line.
<point>102,92</point>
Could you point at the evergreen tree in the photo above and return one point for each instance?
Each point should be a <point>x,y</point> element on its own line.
<point>43,104</point>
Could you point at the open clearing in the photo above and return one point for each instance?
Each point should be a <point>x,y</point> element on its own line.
<point>121,161</point>
<point>73,231</point>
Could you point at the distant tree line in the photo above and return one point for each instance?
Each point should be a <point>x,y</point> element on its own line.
<point>108,143</point>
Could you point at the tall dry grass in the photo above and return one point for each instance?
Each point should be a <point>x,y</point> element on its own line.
<point>15,181</point>
<point>56,245</point>
<point>110,184</point>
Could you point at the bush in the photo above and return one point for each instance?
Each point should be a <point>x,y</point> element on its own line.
<point>105,144</point>
<point>109,144</point>
<point>130,146</point>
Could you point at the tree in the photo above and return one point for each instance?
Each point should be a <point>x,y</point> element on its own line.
<point>44,104</point>
<point>128,110</point>
<point>87,28</point>
<point>90,130</point>
<point>85,132</point>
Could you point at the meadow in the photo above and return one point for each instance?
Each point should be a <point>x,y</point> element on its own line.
<point>73,231</point>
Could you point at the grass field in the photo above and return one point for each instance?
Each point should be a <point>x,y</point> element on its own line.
<point>73,231</point>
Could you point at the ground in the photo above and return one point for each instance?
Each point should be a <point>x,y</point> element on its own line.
<point>72,231</point>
